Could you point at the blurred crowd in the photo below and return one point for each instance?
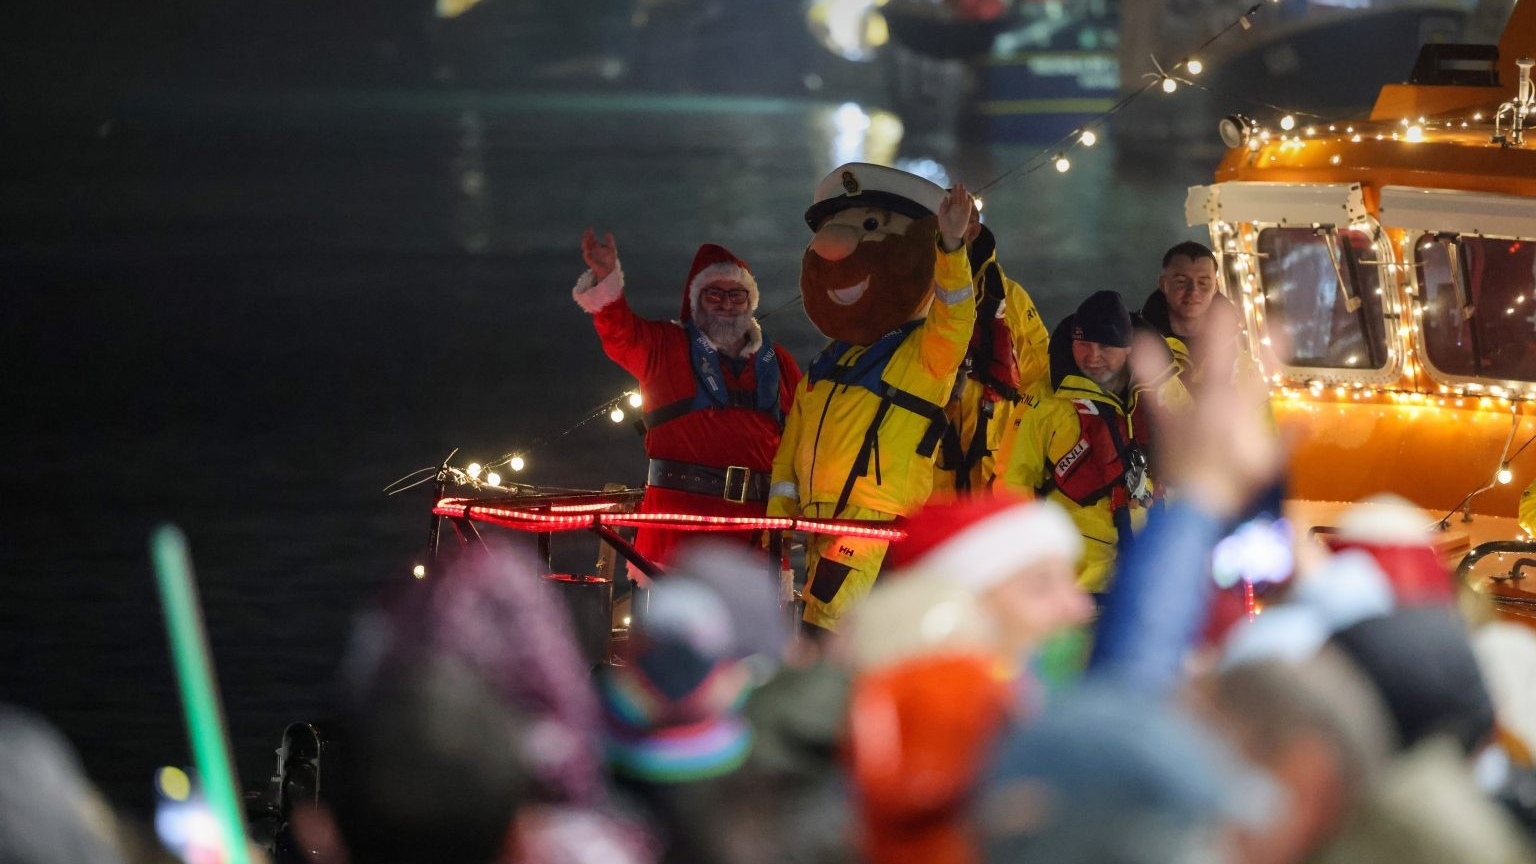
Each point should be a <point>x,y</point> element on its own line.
<point>979,705</point>
<point>1096,642</point>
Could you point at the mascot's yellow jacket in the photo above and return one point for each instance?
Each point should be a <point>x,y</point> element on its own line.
<point>845,444</point>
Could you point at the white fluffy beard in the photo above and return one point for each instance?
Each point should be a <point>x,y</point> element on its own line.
<point>726,332</point>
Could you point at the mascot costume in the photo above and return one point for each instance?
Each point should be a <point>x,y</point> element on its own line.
<point>886,278</point>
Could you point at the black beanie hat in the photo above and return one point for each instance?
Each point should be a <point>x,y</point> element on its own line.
<point>1103,318</point>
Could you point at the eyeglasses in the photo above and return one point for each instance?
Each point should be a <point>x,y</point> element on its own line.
<point>732,295</point>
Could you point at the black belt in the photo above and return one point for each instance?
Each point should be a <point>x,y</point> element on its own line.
<point>736,483</point>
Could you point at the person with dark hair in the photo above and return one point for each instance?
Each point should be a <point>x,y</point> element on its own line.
<point>1084,444</point>
<point>1187,302</point>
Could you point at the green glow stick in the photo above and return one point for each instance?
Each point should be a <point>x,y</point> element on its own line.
<point>199,691</point>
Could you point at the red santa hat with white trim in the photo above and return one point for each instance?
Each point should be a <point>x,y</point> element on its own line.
<point>715,263</point>
<point>979,542</point>
<point>1397,534</point>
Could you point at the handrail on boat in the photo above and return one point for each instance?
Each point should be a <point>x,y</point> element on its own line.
<point>1493,547</point>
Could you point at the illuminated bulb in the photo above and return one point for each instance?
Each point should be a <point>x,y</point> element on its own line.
<point>616,415</point>
<point>493,478</point>
<point>1062,163</point>
<point>1287,122</point>
<point>1194,66</point>
<point>1334,159</point>
<point>419,571</point>
<point>1477,116</point>
<point>517,463</point>
<point>1311,130</point>
<point>1415,133</point>
<point>174,783</point>
<point>636,400</point>
<point>1505,475</point>
<point>975,199</point>
<point>473,470</point>
<point>1169,85</point>
<point>626,620</point>
<point>1089,139</point>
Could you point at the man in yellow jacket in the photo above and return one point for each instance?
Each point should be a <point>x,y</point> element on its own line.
<point>887,279</point>
<point>1084,442</point>
<point>1007,355</point>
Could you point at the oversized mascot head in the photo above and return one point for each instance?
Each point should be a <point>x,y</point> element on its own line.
<point>869,268</point>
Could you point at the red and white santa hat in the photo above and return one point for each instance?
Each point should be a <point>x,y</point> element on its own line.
<point>714,263</point>
<point>978,542</point>
<point>1396,534</point>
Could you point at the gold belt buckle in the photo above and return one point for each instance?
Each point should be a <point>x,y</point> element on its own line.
<point>737,476</point>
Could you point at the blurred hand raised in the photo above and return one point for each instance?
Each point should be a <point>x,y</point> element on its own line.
<point>1222,451</point>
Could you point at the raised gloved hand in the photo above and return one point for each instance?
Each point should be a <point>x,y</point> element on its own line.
<point>955,213</point>
<point>602,256</point>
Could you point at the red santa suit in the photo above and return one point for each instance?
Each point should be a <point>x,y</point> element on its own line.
<point>712,420</point>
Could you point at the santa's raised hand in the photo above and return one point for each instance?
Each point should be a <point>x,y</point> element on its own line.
<point>954,217</point>
<point>602,256</point>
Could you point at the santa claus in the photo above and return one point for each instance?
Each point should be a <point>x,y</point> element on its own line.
<point>715,390</point>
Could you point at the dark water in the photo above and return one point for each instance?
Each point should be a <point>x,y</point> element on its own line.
<point>249,314</point>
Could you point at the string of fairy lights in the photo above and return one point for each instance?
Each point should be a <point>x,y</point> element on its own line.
<point>1294,129</point>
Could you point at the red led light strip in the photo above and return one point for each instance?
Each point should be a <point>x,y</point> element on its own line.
<point>526,520</point>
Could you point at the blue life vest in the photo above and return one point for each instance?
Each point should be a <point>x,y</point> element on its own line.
<point>867,372</point>
<point>709,383</point>
<point>868,369</point>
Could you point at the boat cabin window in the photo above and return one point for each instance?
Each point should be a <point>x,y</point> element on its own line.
<point>1479,299</point>
<point>1322,299</point>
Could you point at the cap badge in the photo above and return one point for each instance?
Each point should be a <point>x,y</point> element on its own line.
<point>851,183</point>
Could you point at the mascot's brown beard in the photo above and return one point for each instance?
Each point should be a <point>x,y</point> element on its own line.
<point>900,273</point>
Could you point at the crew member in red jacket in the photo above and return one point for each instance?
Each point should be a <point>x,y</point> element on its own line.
<point>715,392</point>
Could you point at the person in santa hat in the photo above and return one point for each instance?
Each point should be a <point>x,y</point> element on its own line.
<point>937,647</point>
<point>715,391</point>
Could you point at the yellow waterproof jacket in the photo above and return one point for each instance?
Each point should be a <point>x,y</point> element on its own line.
<point>825,431</point>
<point>1030,339</point>
<point>1050,434</point>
